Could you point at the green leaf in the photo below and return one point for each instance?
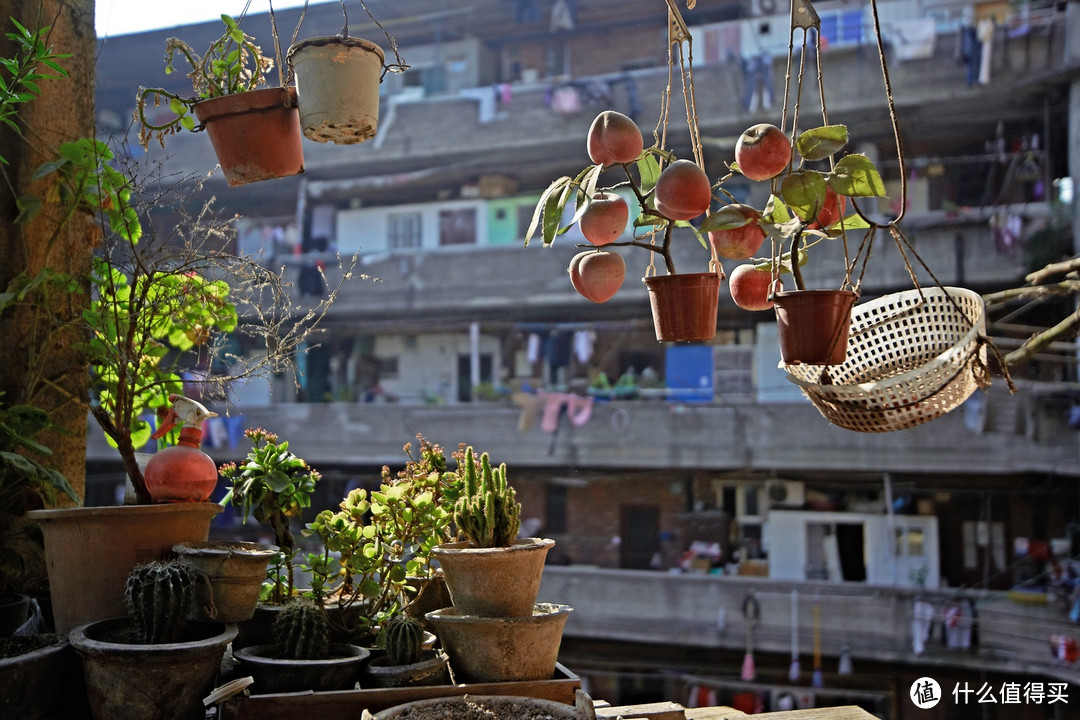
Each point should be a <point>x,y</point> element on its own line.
<point>854,221</point>
<point>856,176</point>
<point>550,193</point>
<point>648,172</point>
<point>804,193</point>
<point>726,218</point>
<point>28,206</point>
<point>822,142</point>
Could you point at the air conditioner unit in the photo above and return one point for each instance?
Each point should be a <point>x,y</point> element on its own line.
<point>769,7</point>
<point>785,493</point>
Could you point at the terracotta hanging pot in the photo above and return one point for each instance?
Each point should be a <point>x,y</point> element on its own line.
<point>337,79</point>
<point>813,325</point>
<point>684,306</point>
<point>255,134</point>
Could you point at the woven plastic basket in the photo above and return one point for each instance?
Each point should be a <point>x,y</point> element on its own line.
<point>911,358</point>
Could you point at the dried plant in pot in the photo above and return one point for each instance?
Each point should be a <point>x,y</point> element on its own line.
<point>255,131</point>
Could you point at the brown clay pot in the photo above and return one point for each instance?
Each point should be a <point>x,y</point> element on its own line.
<point>813,325</point>
<point>255,134</point>
<point>493,582</point>
<point>684,306</point>
<point>90,551</point>
<point>502,649</point>
<point>229,578</point>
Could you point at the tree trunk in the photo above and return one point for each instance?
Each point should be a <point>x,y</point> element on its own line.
<point>39,353</point>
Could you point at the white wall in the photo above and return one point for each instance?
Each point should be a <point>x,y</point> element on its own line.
<point>365,229</point>
<point>785,539</point>
<point>429,363</point>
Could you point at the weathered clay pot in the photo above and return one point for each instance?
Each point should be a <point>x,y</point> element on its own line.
<point>28,688</point>
<point>340,671</point>
<point>229,577</point>
<point>131,681</point>
<point>256,134</point>
<point>90,551</point>
<point>502,649</point>
<point>500,581</point>
<point>337,79</point>
<point>432,669</point>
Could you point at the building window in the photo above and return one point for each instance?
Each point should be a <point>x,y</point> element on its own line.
<point>388,368</point>
<point>555,509</point>
<point>457,227</point>
<point>403,231</point>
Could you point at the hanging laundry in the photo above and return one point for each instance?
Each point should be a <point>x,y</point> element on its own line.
<point>922,617</point>
<point>583,345</point>
<point>532,348</point>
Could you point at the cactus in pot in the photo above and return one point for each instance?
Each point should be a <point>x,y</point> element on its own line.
<point>301,631</point>
<point>404,637</point>
<point>158,597</point>
<point>487,513</point>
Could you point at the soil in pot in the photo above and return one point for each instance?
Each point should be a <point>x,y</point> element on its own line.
<point>481,707</point>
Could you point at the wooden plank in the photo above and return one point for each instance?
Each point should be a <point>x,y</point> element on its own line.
<point>347,704</point>
<point>714,713</point>
<point>846,712</point>
<point>650,711</point>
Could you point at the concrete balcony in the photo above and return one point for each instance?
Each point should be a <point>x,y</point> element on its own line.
<point>874,622</point>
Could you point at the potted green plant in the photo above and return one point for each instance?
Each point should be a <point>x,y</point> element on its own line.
<point>302,656</point>
<point>491,571</point>
<point>668,193</point>
<point>25,483</point>
<point>376,551</point>
<point>153,664</point>
<point>255,131</point>
<point>806,207</point>
<point>273,485</point>
<point>405,662</point>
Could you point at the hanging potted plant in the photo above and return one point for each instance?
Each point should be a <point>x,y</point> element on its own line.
<point>337,78</point>
<point>255,131</point>
<point>153,664</point>
<point>668,192</point>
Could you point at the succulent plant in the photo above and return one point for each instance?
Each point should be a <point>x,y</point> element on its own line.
<point>404,637</point>
<point>158,597</point>
<point>487,513</point>
<point>301,630</point>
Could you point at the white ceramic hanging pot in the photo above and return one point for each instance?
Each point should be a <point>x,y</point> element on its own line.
<point>337,79</point>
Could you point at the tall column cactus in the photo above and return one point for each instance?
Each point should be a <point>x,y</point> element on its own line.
<point>487,513</point>
<point>301,631</point>
<point>158,597</point>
